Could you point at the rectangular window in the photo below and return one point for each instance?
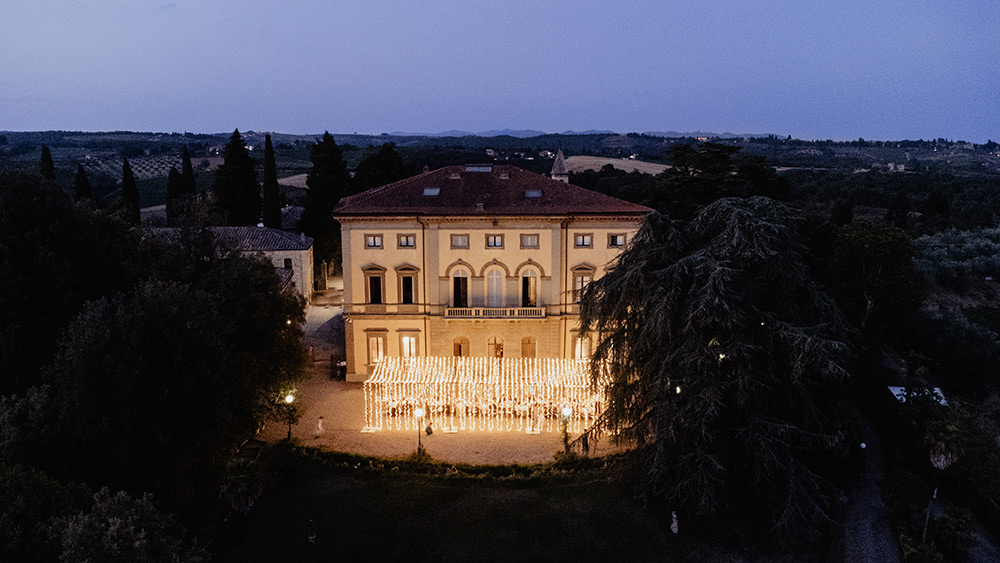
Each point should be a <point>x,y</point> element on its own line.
<point>375,290</point>
<point>406,284</point>
<point>408,346</point>
<point>460,241</point>
<point>376,348</point>
<point>494,241</point>
<point>529,241</point>
<point>580,282</point>
<point>407,241</point>
<point>582,349</point>
<point>616,241</point>
<point>583,240</point>
<point>373,241</point>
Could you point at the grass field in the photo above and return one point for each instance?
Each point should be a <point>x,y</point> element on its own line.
<point>357,510</point>
<point>581,163</point>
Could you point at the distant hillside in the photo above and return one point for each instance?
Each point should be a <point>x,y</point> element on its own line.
<point>706,134</point>
<point>519,133</point>
<point>152,154</point>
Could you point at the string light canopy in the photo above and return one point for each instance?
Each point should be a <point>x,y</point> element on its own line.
<point>481,394</point>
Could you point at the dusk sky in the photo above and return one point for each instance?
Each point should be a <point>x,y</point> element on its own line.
<point>878,69</point>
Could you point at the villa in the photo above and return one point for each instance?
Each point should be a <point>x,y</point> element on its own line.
<point>474,261</point>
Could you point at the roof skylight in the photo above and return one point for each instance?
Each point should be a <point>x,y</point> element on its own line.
<point>533,192</point>
<point>432,192</point>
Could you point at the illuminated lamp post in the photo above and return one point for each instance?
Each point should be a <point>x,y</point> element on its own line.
<point>289,412</point>
<point>566,412</point>
<point>419,414</point>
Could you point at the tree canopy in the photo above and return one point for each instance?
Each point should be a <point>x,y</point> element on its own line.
<point>187,173</point>
<point>721,359</point>
<point>706,172</point>
<point>154,388</point>
<point>119,527</point>
<point>47,166</point>
<point>149,363</point>
<point>175,197</point>
<point>378,169</point>
<point>81,185</point>
<point>57,254</point>
<point>327,182</point>
<point>873,277</point>
<point>130,194</point>
<point>236,189</point>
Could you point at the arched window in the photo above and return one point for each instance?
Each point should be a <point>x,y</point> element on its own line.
<point>494,288</point>
<point>494,347</point>
<point>529,288</point>
<point>460,288</point>
<point>528,347</point>
<point>582,276</point>
<point>461,345</point>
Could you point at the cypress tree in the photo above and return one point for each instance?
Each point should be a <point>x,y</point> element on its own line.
<point>82,185</point>
<point>48,168</point>
<point>175,197</point>
<point>236,189</point>
<point>187,173</point>
<point>130,194</point>
<point>327,183</point>
<point>272,198</point>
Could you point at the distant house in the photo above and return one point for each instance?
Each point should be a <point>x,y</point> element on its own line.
<point>291,254</point>
<point>477,260</point>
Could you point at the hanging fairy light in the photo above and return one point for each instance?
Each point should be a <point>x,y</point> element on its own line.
<point>482,394</point>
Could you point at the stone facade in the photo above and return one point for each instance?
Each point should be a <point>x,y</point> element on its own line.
<point>466,262</point>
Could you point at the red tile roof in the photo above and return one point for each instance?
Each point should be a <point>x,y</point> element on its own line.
<point>502,190</point>
<point>244,239</point>
<point>250,239</point>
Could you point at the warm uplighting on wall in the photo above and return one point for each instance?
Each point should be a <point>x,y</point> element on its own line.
<point>481,394</point>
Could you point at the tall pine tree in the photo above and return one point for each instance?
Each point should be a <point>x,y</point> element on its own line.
<point>82,185</point>
<point>176,198</point>
<point>130,194</point>
<point>236,189</point>
<point>327,183</point>
<point>48,168</point>
<point>272,197</point>
<point>723,362</point>
<point>187,173</point>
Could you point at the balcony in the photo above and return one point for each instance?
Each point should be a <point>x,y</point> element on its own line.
<point>494,313</point>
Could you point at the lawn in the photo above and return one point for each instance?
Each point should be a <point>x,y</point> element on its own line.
<point>341,508</point>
